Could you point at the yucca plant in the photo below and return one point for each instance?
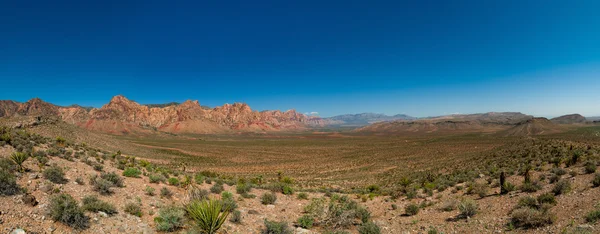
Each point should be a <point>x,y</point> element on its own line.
<point>18,158</point>
<point>207,215</point>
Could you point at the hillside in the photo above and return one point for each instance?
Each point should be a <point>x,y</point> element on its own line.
<point>486,122</point>
<point>363,119</point>
<point>123,116</point>
<point>535,126</point>
<point>569,119</point>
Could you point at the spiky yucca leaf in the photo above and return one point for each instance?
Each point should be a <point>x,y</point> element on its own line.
<point>207,215</point>
<point>18,158</point>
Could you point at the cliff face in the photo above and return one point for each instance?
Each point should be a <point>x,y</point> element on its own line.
<point>122,115</point>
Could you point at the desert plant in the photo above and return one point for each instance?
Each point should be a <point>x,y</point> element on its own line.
<point>448,205</point>
<point>590,167</point>
<point>509,187</point>
<point>132,172</point>
<point>546,198</point>
<point>207,215</point>
<point>133,208</point>
<point>93,204</point>
<point>302,196</point>
<point>306,221</point>
<point>236,217</point>
<point>528,202</point>
<point>165,192</point>
<point>596,180</point>
<point>217,188</point>
<point>55,174</point>
<point>527,217</point>
<point>169,219</point>
<point>268,198</point>
<point>411,209</point>
<point>227,202</point>
<point>18,158</point>
<point>149,191</point>
<point>467,208</point>
<point>273,227</point>
<point>156,178</point>
<point>113,178</point>
<point>592,216</point>
<point>8,183</point>
<point>173,181</point>
<point>561,187</point>
<point>480,189</point>
<point>369,228</point>
<point>242,188</point>
<point>64,208</point>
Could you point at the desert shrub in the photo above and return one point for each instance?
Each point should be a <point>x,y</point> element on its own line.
<point>207,215</point>
<point>149,191</point>
<point>133,208</point>
<point>590,167</point>
<point>268,198</point>
<point>55,174</point>
<point>100,185</point>
<point>546,198</point>
<point>530,218</point>
<point>173,181</point>
<point>287,190</point>
<point>228,203</point>
<point>467,208</point>
<point>18,158</point>
<point>530,187</point>
<point>64,208</point>
<point>98,167</point>
<point>509,187</point>
<point>316,207</point>
<point>558,171</point>
<point>242,188</point>
<point>363,214</point>
<point>199,178</point>
<point>369,228</point>
<point>528,202</point>
<point>169,219</point>
<point>112,177</point>
<point>217,188</point>
<point>273,227</point>
<point>236,217</point>
<point>553,178</point>
<point>195,193</point>
<point>132,172</point>
<point>8,183</point>
<point>156,178</point>
<point>561,187</point>
<point>302,196</point>
<point>448,205</point>
<point>93,204</point>
<point>480,189</point>
<point>596,180</point>
<point>411,209</point>
<point>165,192</point>
<point>306,221</point>
<point>592,216</point>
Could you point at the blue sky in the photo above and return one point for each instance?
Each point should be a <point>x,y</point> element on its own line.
<point>421,58</point>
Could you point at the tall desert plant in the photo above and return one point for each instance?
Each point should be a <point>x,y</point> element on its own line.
<point>207,215</point>
<point>18,158</point>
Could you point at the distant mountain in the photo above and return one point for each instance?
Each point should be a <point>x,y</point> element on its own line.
<point>535,126</point>
<point>569,119</point>
<point>363,119</point>
<point>485,122</point>
<point>122,116</point>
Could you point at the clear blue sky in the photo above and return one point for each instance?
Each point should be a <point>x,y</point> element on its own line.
<point>421,58</point>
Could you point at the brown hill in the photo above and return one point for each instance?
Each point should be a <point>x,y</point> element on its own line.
<point>486,122</point>
<point>569,119</point>
<point>535,126</point>
<point>123,116</point>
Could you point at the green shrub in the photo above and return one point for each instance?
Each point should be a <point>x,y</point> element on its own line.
<point>64,208</point>
<point>133,208</point>
<point>546,198</point>
<point>98,167</point>
<point>593,216</point>
<point>480,189</point>
<point>8,183</point>
<point>561,187</point>
<point>287,190</point>
<point>509,187</point>
<point>174,181</point>
<point>217,188</point>
<point>369,228</point>
<point>558,171</point>
<point>596,180</point>
<point>156,178</point>
<point>467,208</point>
<point>100,185</point>
<point>149,191</point>
<point>448,206</point>
<point>93,204</point>
<point>268,198</point>
<point>273,227</point>
<point>112,177</point>
<point>228,203</point>
<point>363,214</point>
<point>132,172</point>
<point>590,167</point>
<point>302,196</point>
<point>528,202</point>
<point>530,218</point>
<point>199,178</point>
<point>170,219</point>
<point>242,188</point>
<point>55,174</point>
<point>411,209</point>
<point>531,187</point>
<point>18,158</point>
<point>553,178</point>
<point>165,192</point>
<point>207,215</point>
<point>306,221</point>
<point>236,217</point>
<point>195,193</point>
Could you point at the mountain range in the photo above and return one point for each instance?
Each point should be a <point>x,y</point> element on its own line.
<point>123,116</point>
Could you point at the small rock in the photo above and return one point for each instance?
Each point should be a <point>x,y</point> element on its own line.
<point>253,212</point>
<point>103,214</point>
<point>271,206</point>
<point>29,200</point>
<point>584,228</point>
<point>33,176</point>
<point>18,231</point>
